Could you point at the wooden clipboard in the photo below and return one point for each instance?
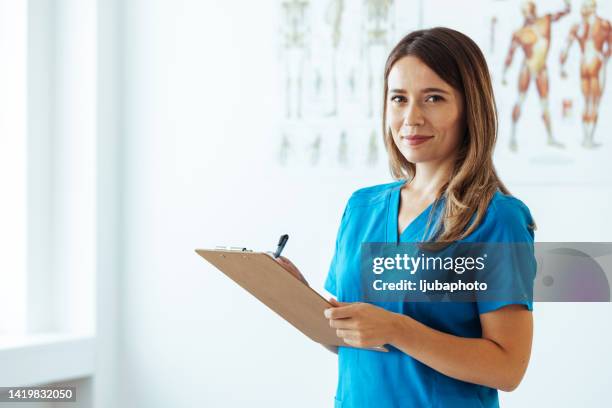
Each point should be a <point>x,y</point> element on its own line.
<point>277,288</point>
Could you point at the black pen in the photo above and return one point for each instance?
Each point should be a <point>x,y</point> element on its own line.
<point>281,244</point>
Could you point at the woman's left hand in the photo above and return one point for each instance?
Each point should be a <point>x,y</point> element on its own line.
<point>362,324</point>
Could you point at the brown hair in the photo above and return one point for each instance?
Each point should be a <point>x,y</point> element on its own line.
<point>456,59</point>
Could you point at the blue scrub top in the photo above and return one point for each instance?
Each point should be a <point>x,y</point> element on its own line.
<point>394,379</point>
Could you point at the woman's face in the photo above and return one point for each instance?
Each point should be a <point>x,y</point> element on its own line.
<point>424,113</point>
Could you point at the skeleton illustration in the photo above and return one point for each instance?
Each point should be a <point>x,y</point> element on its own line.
<point>334,18</point>
<point>295,34</point>
<point>352,82</point>
<point>318,82</point>
<point>594,36</point>
<point>343,149</point>
<point>285,148</point>
<point>534,39</point>
<point>315,150</point>
<point>492,34</point>
<point>378,28</point>
<point>372,149</point>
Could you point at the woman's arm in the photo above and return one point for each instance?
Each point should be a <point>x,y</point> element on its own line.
<point>498,359</point>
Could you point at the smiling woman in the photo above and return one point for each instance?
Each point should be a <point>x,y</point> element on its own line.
<point>438,90</point>
<point>440,128</point>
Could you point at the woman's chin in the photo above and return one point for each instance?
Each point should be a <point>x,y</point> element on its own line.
<point>415,157</point>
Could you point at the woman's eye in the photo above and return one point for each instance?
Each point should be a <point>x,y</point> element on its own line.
<point>397,99</point>
<point>434,98</point>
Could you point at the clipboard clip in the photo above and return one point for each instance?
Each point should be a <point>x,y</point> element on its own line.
<point>232,248</point>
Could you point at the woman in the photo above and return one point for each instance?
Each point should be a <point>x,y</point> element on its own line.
<point>440,126</point>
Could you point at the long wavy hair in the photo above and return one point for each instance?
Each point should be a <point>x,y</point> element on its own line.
<point>456,59</point>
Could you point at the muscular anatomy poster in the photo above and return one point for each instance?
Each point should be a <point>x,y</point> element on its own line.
<point>549,61</point>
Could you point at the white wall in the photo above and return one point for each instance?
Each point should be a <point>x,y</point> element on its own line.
<point>108,206</point>
<point>13,167</point>
<point>200,112</point>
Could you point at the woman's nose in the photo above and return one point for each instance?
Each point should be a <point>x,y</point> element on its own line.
<point>413,116</point>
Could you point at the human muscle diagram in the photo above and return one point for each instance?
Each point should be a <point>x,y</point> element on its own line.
<point>533,38</point>
<point>593,34</point>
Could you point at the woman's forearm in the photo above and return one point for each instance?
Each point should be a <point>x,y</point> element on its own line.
<point>475,360</point>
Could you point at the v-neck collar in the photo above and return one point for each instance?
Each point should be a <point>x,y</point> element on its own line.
<point>393,215</point>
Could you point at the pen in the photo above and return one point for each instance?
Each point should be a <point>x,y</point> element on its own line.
<point>281,244</point>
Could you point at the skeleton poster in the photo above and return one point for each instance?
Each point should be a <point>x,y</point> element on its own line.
<point>332,56</point>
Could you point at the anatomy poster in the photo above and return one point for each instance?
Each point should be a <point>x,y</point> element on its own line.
<point>332,56</point>
<point>548,61</point>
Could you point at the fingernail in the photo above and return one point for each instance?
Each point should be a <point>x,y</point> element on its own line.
<point>327,312</point>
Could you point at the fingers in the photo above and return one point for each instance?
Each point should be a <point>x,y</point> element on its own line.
<point>291,268</point>
<point>340,312</point>
<point>335,303</point>
<point>356,339</point>
<point>347,334</point>
<point>283,261</point>
<point>287,262</point>
<point>351,342</point>
<point>343,323</point>
<point>285,265</point>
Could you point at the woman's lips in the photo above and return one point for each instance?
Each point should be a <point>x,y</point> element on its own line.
<point>415,140</point>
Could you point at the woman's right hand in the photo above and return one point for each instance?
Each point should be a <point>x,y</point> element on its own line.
<point>291,268</point>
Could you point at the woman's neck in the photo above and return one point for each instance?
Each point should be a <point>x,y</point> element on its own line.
<point>430,178</point>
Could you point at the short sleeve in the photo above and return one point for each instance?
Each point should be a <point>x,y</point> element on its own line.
<point>331,280</point>
<point>507,233</point>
